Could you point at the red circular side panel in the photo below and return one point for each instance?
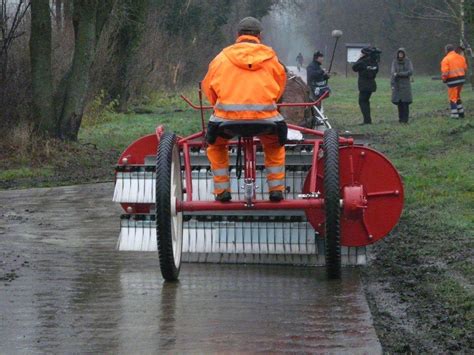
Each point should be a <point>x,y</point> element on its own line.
<point>382,188</point>
<point>138,150</point>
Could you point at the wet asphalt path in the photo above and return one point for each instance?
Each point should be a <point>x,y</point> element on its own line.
<point>65,289</point>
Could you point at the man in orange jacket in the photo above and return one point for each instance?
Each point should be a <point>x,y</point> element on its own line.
<point>453,73</point>
<point>244,82</point>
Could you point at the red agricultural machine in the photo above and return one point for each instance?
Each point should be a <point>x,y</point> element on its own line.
<point>340,197</point>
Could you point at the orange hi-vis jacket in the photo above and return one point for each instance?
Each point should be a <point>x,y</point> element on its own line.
<point>245,81</point>
<point>453,69</point>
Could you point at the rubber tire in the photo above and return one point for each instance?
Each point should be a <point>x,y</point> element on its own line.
<point>164,234</point>
<point>332,203</point>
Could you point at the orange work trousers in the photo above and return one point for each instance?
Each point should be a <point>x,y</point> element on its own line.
<point>455,94</point>
<point>218,154</point>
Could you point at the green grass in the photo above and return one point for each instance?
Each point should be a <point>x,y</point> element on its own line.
<point>168,110</point>
<point>25,172</point>
<point>125,128</point>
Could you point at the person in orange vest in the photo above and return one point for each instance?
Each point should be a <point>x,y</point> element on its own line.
<point>453,73</point>
<point>244,82</point>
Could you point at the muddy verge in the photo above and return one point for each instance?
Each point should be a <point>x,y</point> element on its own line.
<point>412,308</point>
<point>66,164</point>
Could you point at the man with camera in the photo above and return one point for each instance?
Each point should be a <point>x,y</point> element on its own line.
<point>367,67</point>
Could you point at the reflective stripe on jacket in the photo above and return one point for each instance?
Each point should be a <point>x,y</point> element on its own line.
<point>245,81</point>
<point>453,69</point>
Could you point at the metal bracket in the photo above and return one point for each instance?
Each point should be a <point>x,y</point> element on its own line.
<point>310,195</point>
<point>249,192</point>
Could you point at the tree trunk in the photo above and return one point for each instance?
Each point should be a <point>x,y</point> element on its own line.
<point>41,72</point>
<point>127,41</point>
<point>89,18</point>
<point>76,82</point>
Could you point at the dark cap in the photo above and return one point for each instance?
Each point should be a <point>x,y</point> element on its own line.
<point>449,48</point>
<point>318,54</point>
<point>367,50</point>
<point>249,25</point>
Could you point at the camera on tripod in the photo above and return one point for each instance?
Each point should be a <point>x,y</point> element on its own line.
<point>375,53</point>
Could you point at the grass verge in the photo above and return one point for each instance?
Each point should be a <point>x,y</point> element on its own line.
<point>419,284</point>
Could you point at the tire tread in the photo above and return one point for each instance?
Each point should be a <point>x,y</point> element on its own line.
<point>164,158</point>
<point>332,203</point>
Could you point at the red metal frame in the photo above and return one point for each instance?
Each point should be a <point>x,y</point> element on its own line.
<point>249,149</point>
<point>195,206</point>
<point>250,157</point>
<point>371,188</point>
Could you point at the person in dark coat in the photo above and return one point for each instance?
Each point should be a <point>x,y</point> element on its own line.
<point>316,76</point>
<point>402,70</point>
<point>367,67</point>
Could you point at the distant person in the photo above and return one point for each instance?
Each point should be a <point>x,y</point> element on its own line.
<point>453,73</point>
<point>299,61</point>
<point>316,76</point>
<point>402,70</point>
<point>367,67</point>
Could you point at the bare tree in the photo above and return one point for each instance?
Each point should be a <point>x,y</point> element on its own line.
<point>448,11</point>
<point>439,11</point>
<point>14,95</point>
<point>9,24</point>
<point>458,13</point>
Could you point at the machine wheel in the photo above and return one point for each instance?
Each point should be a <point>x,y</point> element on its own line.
<point>169,223</point>
<point>332,204</point>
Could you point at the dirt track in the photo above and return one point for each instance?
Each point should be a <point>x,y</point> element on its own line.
<point>66,289</point>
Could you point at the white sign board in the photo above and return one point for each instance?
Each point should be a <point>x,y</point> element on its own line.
<point>353,54</point>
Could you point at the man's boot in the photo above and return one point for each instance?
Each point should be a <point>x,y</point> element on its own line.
<point>276,196</point>
<point>224,196</point>
<point>364,104</point>
<point>454,110</point>
<point>460,107</point>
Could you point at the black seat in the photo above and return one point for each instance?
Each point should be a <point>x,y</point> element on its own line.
<point>249,128</point>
